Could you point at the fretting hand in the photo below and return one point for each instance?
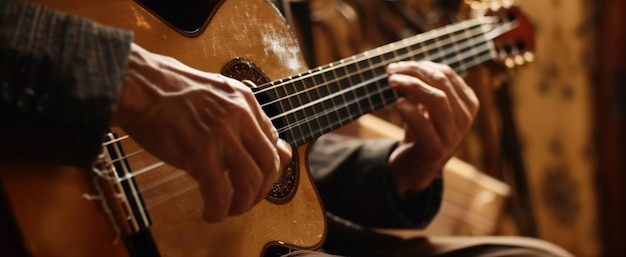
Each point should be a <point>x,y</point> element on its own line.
<point>438,110</point>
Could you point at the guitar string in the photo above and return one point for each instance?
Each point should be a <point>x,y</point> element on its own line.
<point>477,23</point>
<point>372,68</point>
<point>156,165</point>
<point>159,164</point>
<point>460,58</point>
<point>348,75</point>
<point>335,124</point>
<point>419,38</point>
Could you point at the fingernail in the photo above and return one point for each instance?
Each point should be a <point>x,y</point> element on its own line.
<point>393,80</point>
<point>286,146</point>
<point>404,105</point>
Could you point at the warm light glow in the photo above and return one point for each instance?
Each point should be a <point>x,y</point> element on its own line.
<point>140,20</point>
<point>509,63</point>
<point>495,5</point>
<point>529,57</point>
<point>519,60</point>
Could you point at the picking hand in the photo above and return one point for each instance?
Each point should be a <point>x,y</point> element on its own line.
<point>206,124</point>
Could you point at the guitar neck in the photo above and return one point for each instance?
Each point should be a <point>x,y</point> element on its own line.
<point>305,106</point>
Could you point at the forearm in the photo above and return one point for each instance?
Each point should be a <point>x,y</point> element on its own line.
<point>60,76</point>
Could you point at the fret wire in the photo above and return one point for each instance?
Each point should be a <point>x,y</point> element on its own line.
<point>439,47</point>
<point>473,61</point>
<point>320,95</point>
<point>338,122</point>
<point>344,90</point>
<point>365,105</point>
<point>466,32</point>
<point>484,32</point>
<point>442,58</point>
<point>360,74</point>
<point>331,126</point>
<point>291,107</point>
<point>415,37</point>
<point>298,110</point>
<point>477,55</point>
<point>349,76</point>
<point>379,66</point>
<point>373,67</point>
<point>456,49</point>
<point>396,58</point>
<point>313,109</point>
<point>283,109</point>
<point>329,85</point>
<point>481,21</point>
<point>340,87</point>
<point>367,74</point>
<point>304,110</point>
<point>334,81</point>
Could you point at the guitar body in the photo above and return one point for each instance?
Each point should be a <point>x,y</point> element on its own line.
<point>56,209</point>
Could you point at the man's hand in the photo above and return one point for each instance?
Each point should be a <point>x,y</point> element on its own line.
<point>438,110</point>
<point>206,124</point>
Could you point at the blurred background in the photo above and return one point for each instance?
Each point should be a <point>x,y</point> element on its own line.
<point>548,145</point>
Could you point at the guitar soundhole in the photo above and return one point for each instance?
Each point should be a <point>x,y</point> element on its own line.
<point>286,185</point>
<point>243,69</point>
<point>284,189</point>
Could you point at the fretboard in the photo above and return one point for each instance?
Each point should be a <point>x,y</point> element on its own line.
<point>310,104</point>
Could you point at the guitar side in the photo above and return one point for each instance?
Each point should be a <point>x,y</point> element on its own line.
<point>54,217</point>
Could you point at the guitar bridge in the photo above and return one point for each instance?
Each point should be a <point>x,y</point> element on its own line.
<point>120,189</point>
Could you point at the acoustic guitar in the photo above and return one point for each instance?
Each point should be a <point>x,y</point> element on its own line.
<point>132,204</point>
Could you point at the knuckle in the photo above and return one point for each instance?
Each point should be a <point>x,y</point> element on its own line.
<point>439,97</point>
<point>439,77</point>
<point>438,152</point>
<point>447,70</point>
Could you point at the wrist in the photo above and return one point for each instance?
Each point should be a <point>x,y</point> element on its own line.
<point>137,94</point>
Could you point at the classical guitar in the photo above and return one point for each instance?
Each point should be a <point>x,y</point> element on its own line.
<point>130,203</point>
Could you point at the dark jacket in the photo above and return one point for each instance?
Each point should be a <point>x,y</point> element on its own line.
<point>353,180</point>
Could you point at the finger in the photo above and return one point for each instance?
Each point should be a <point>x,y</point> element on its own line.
<point>284,152</point>
<point>215,188</point>
<point>253,141</point>
<point>259,161</point>
<point>418,125</point>
<point>242,165</point>
<point>245,176</point>
<point>434,99</point>
<point>438,76</point>
<point>265,123</point>
<point>465,99</point>
<point>467,92</point>
<point>265,153</point>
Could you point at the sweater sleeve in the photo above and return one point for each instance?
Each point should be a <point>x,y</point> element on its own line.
<point>60,76</point>
<point>353,179</point>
